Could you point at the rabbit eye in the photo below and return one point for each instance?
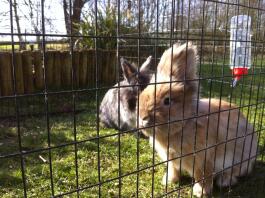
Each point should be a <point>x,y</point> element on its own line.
<point>166,101</point>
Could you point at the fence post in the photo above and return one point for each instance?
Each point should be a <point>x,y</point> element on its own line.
<point>38,66</point>
<point>28,72</point>
<point>6,74</point>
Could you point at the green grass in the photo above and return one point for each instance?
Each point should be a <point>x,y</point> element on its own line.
<point>33,130</point>
<point>52,46</point>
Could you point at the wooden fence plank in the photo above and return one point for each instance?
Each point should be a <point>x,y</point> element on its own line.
<point>91,74</point>
<point>39,70</point>
<point>0,83</point>
<point>107,68</point>
<point>66,68</point>
<point>19,73</point>
<point>113,67</point>
<point>28,71</point>
<point>83,68</point>
<point>76,62</point>
<point>57,70</point>
<point>100,62</point>
<point>6,74</point>
<point>49,68</point>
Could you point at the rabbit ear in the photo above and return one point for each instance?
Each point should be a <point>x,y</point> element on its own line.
<point>181,64</point>
<point>146,65</point>
<point>129,71</point>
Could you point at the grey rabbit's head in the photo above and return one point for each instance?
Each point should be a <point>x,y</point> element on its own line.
<point>124,99</point>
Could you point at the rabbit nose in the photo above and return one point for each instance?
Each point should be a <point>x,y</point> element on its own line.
<point>144,121</point>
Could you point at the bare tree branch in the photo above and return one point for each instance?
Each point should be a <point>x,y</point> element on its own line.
<point>22,45</point>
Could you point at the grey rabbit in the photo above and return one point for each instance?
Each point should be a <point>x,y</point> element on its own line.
<point>128,96</point>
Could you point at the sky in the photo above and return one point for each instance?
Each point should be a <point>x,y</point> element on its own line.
<point>53,11</point>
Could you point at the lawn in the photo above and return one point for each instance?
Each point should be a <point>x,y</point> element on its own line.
<point>51,46</point>
<point>117,155</point>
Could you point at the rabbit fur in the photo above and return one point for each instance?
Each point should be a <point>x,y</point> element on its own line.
<point>219,143</point>
<point>109,115</point>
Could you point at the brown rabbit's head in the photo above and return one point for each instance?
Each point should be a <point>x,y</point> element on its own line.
<point>171,95</point>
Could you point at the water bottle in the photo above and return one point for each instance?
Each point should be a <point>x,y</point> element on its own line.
<point>240,46</point>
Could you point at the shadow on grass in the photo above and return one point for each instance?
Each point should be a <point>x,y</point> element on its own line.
<point>248,186</point>
<point>8,180</point>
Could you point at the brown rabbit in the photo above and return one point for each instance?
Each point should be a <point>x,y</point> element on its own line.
<point>219,143</point>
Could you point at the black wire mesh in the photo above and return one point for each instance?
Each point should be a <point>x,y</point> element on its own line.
<point>53,82</point>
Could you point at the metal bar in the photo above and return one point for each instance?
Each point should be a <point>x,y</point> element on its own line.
<point>198,98</point>
<point>210,97</point>
<point>119,97</point>
<point>22,165</point>
<point>74,85</point>
<point>137,113</point>
<point>46,96</point>
<point>154,115</point>
<point>97,97</point>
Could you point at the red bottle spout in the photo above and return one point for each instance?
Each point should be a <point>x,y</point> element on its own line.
<point>238,73</point>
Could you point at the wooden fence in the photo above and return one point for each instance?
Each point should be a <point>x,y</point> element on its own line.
<point>29,70</point>
<point>60,65</point>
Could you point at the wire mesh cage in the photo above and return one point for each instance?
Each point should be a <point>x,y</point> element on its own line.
<point>143,98</point>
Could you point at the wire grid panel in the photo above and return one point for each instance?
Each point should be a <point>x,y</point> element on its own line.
<point>79,119</point>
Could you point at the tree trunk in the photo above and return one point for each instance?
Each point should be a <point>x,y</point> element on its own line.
<point>73,20</point>
<point>67,19</point>
<point>76,17</point>
<point>22,45</point>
